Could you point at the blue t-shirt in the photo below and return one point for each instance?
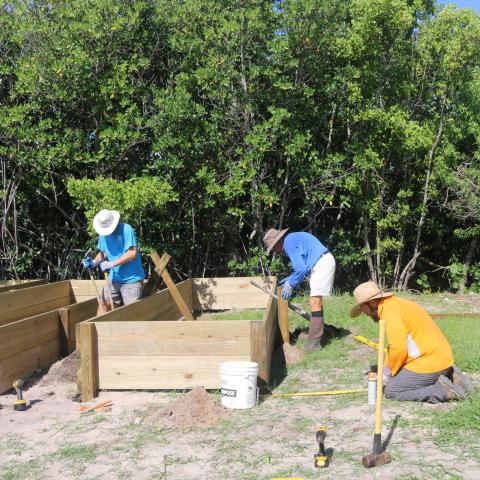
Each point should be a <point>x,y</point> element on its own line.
<point>114,246</point>
<point>303,250</point>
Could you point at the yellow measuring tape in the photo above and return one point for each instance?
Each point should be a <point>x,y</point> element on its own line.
<point>368,342</point>
<point>316,394</point>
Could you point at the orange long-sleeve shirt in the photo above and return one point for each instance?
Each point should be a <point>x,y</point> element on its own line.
<point>414,339</point>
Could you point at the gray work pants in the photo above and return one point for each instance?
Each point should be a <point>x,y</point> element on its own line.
<point>419,387</point>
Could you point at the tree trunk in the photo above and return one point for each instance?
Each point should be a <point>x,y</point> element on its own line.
<point>466,264</point>
<point>409,268</point>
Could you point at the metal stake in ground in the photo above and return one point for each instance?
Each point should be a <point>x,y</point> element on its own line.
<point>377,457</point>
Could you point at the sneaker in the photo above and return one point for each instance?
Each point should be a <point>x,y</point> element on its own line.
<point>461,380</point>
<point>452,392</point>
<point>313,345</point>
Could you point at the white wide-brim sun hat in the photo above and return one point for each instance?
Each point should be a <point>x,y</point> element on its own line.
<point>105,221</point>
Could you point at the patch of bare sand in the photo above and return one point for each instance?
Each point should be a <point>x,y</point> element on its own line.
<point>292,354</point>
<point>63,371</point>
<point>196,408</point>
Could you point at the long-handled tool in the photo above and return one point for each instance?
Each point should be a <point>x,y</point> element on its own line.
<point>112,305</point>
<point>377,457</point>
<point>292,306</point>
<point>92,278</point>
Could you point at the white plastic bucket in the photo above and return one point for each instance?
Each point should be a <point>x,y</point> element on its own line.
<point>238,384</point>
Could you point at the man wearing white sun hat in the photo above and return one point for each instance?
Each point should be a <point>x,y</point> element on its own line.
<point>118,254</point>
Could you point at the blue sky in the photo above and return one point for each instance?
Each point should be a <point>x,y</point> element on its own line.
<point>474,4</point>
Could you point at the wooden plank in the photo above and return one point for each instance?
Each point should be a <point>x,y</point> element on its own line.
<point>73,314</point>
<point>25,363</point>
<point>28,333</point>
<point>160,264</point>
<point>20,285</point>
<point>85,290</point>
<point>283,316</point>
<point>462,315</point>
<point>214,338</point>
<point>32,301</point>
<point>159,306</point>
<point>230,293</point>
<point>270,325</point>
<point>257,342</point>
<point>88,361</point>
<point>158,372</point>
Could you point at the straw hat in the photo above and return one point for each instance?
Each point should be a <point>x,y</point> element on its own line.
<point>106,221</point>
<point>364,293</point>
<point>272,237</point>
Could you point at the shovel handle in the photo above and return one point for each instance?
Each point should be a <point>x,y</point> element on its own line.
<point>109,291</point>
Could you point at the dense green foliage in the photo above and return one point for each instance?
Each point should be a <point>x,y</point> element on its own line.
<point>206,122</point>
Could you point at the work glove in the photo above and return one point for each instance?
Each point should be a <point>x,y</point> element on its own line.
<point>387,374</point>
<point>104,266</point>
<point>287,290</point>
<point>88,262</point>
<point>281,282</point>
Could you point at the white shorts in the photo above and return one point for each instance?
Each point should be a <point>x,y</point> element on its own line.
<point>321,277</point>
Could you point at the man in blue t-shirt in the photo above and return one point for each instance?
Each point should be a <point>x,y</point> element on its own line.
<point>308,256</point>
<point>118,254</point>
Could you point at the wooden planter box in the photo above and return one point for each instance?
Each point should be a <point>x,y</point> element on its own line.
<point>37,325</point>
<point>145,346</point>
<point>9,285</point>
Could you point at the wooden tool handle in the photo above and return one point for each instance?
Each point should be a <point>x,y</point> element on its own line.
<point>109,291</point>
<point>378,407</point>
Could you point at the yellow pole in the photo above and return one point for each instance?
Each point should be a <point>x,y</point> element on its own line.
<point>378,407</point>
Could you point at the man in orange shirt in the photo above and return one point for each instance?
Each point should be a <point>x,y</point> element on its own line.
<point>419,364</point>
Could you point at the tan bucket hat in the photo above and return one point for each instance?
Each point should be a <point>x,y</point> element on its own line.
<point>365,292</point>
<point>106,221</point>
<point>272,237</point>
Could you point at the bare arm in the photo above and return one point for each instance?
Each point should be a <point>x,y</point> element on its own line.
<point>128,256</point>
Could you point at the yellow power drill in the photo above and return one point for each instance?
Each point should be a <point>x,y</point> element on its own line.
<point>321,458</point>
<point>20,404</point>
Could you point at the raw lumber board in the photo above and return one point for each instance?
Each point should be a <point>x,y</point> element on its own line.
<point>214,338</point>
<point>88,374</point>
<point>463,315</point>
<point>73,314</point>
<point>25,363</point>
<point>28,333</point>
<point>226,293</point>
<point>84,289</point>
<point>158,372</point>
<point>33,301</point>
<point>159,306</point>
<point>20,285</point>
<point>262,337</point>
<point>160,268</point>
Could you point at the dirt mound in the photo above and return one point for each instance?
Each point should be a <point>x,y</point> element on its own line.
<point>63,371</point>
<point>194,409</point>
<point>292,354</point>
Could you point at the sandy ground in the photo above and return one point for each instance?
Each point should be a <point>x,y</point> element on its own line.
<point>149,435</point>
<point>189,435</point>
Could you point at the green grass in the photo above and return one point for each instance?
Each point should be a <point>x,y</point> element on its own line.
<point>460,426</point>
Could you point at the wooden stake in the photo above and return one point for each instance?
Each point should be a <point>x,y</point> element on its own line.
<point>88,361</point>
<point>160,268</point>
<point>283,316</point>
